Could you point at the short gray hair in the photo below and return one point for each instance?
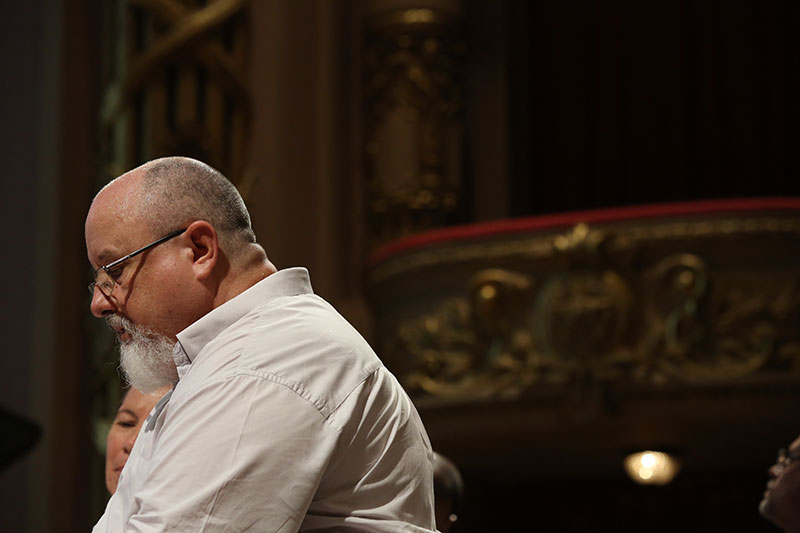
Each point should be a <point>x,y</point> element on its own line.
<point>179,190</point>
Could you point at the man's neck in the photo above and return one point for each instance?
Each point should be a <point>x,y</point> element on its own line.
<point>237,280</point>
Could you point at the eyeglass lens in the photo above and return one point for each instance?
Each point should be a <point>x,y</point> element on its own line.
<point>102,281</point>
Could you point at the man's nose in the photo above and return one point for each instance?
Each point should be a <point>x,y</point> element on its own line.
<point>101,305</point>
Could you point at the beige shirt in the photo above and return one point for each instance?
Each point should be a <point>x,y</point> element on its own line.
<point>284,419</point>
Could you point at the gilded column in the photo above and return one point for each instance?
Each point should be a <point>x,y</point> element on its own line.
<point>414,149</point>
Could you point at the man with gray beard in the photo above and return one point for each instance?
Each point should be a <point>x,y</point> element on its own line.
<point>282,418</point>
<point>145,357</point>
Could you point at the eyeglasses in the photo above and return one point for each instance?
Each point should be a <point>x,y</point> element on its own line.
<point>786,457</point>
<point>107,277</point>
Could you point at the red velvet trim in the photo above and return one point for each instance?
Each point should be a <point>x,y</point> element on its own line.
<point>557,220</point>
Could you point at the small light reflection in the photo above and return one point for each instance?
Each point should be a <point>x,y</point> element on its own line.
<point>651,467</point>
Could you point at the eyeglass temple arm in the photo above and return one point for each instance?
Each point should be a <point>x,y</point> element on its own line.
<point>112,264</point>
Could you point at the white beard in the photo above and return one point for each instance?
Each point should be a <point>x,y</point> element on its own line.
<point>146,358</point>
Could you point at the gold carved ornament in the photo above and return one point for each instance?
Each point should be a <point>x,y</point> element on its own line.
<point>602,321</point>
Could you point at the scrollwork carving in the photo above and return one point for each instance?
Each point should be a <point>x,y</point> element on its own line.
<point>477,344</point>
<point>711,335</point>
<point>671,319</point>
<point>583,316</point>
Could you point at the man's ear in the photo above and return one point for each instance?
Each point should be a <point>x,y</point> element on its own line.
<point>202,238</point>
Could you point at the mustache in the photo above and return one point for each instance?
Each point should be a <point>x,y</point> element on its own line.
<point>119,322</point>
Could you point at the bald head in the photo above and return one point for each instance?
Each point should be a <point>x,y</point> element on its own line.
<point>214,257</point>
<point>170,192</point>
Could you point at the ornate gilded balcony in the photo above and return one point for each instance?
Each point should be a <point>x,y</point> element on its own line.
<point>640,326</point>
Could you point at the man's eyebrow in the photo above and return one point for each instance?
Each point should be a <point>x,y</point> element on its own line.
<point>106,256</point>
<point>126,410</point>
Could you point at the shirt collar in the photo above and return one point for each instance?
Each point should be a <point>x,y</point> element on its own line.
<point>287,282</point>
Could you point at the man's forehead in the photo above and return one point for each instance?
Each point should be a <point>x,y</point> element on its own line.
<point>112,223</point>
<point>119,199</point>
<point>104,232</point>
<point>795,445</point>
<point>108,242</point>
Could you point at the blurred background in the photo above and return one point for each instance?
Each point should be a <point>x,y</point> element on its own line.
<point>571,229</point>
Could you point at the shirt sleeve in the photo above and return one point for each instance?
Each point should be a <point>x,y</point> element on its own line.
<point>242,453</point>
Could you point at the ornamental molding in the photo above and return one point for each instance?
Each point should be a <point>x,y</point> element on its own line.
<point>644,304</point>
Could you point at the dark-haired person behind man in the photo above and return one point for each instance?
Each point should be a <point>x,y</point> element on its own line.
<point>781,503</point>
<point>282,418</point>
<point>448,490</point>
